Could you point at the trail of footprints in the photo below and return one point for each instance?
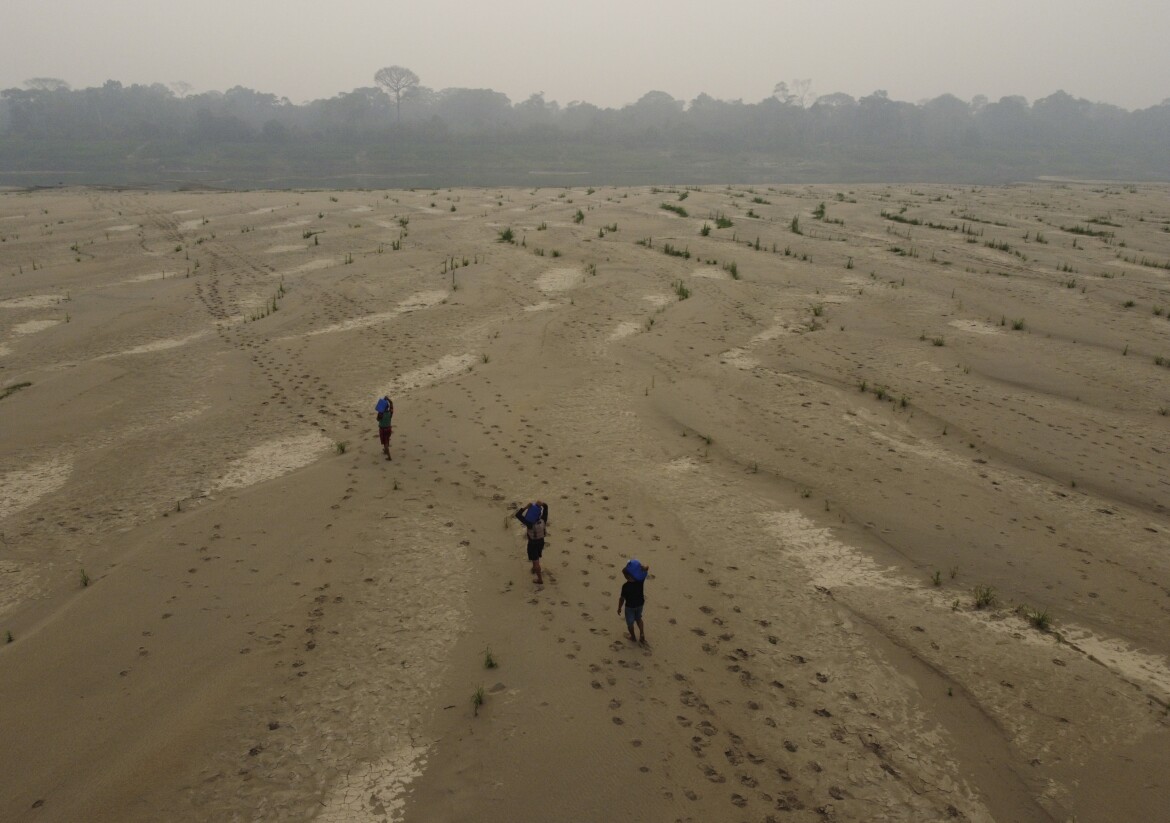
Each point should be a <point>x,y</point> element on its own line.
<point>744,765</point>
<point>763,768</point>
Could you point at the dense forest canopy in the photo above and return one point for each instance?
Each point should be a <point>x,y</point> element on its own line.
<point>399,132</point>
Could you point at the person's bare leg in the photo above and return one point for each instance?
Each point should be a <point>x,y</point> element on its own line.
<point>641,630</point>
<point>536,571</point>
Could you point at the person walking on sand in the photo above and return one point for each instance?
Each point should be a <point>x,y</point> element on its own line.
<point>534,516</point>
<point>384,408</point>
<point>634,598</point>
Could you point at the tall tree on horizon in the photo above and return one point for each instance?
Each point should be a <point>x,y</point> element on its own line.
<point>398,81</point>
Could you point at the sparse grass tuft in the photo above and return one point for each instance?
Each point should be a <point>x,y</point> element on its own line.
<point>984,596</point>
<point>340,446</point>
<point>477,699</point>
<point>489,662</point>
<point>1040,619</point>
<point>84,579</point>
<point>507,236</point>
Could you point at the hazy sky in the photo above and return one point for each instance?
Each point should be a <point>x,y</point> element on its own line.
<point>607,52</point>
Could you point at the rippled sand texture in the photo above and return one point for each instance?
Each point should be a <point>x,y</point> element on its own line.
<point>897,458</point>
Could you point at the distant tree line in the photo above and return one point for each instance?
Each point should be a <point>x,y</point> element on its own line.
<point>399,132</point>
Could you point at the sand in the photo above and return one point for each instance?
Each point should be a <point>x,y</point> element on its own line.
<point>224,604</point>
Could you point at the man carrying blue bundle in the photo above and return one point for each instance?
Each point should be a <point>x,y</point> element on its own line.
<point>634,597</point>
<point>534,516</point>
<point>384,408</point>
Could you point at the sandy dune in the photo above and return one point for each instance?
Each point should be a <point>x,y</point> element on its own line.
<point>900,474</point>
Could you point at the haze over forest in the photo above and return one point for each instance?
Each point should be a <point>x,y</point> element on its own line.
<point>398,132</point>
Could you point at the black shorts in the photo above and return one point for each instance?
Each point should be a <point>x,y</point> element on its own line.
<point>535,549</point>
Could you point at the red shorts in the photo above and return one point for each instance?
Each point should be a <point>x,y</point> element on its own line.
<point>384,435</point>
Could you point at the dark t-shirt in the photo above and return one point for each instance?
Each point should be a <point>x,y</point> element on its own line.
<point>633,594</point>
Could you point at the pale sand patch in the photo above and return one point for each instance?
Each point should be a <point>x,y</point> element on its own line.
<point>183,211</point>
<point>828,561</point>
<point>1135,666</point>
<point>556,280</point>
<point>157,345</point>
<point>146,278</point>
<point>187,225</point>
<point>682,465</point>
<point>361,209</point>
<point>711,273</point>
<point>772,332</point>
<point>312,265</point>
<point>418,300</point>
<point>351,325</point>
<point>428,375</point>
<point>658,300</point>
<point>21,488</point>
<point>284,248</point>
<point>625,329</point>
<point>5,350</point>
<point>123,227</point>
<point>34,326</point>
<point>541,306</point>
<point>423,300</point>
<point>273,459</point>
<point>976,326</point>
<point>739,358</point>
<point>375,792</point>
<point>833,564</point>
<point>34,301</point>
<point>14,217</point>
<point>291,224</point>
